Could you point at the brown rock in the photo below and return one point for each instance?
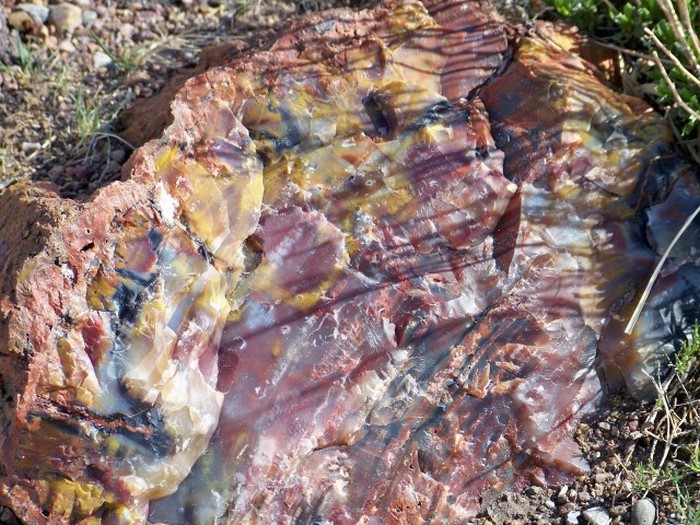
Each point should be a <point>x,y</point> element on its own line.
<point>65,17</point>
<point>66,46</point>
<point>21,21</point>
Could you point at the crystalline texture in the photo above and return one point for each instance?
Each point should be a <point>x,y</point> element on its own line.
<point>374,273</point>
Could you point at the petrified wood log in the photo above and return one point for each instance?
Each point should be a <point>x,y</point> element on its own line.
<point>374,273</point>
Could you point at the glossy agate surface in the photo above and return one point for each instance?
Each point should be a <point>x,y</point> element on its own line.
<point>373,274</point>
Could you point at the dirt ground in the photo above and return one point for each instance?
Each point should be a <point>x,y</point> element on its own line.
<point>66,75</point>
<point>63,83</point>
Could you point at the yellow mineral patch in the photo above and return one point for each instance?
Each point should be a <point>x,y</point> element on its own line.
<point>277,349</point>
<point>100,292</point>
<point>206,212</point>
<point>166,159</point>
<point>27,270</point>
<point>112,446</point>
<point>77,368</point>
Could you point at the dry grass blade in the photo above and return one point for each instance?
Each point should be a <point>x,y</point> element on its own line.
<point>647,290</point>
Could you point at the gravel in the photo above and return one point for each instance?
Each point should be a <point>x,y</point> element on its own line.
<point>68,68</point>
<point>596,516</point>
<point>66,18</point>
<point>40,13</point>
<point>643,512</point>
<point>573,517</point>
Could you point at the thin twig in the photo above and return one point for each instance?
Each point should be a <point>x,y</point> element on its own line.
<point>668,427</point>
<point>678,30</point>
<point>672,87</point>
<point>685,17</point>
<point>672,57</point>
<point>624,50</point>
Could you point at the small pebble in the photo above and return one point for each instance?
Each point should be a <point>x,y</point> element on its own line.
<point>572,517</point>
<point>550,504</point>
<point>596,516</point>
<point>533,490</point>
<point>643,512</point>
<point>127,30</point>
<point>618,510</point>
<point>20,20</point>
<point>30,147</point>
<point>38,12</point>
<point>118,155</point>
<point>146,17</point>
<point>66,46</point>
<point>101,59</point>
<point>51,42</point>
<point>561,496</point>
<point>112,167</point>
<point>56,171</point>
<point>89,17</point>
<point>604,425</point>
<point>137,77</point>
<point>65,17</point>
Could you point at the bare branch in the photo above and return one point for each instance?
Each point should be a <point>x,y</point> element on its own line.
<point>672,57</point>
<point>685,17</point>
<point>673,89</point>
<point>678,30</point>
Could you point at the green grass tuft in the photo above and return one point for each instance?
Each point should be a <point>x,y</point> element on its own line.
<point>25,61</point>
<point>125,61</point>
<point>87,116</point>
<point>688,353</point>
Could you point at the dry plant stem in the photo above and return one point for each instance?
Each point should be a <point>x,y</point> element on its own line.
<point>673,89</point>
<point>624,50</point>
<point>669,427</point>
<point>672,57</point>
<point>645,295</point>
<point>678,30</point>
<point>685,17</point>
<point>106,135</point>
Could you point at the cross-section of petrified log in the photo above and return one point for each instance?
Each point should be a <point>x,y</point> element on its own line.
<point>373,273</point>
